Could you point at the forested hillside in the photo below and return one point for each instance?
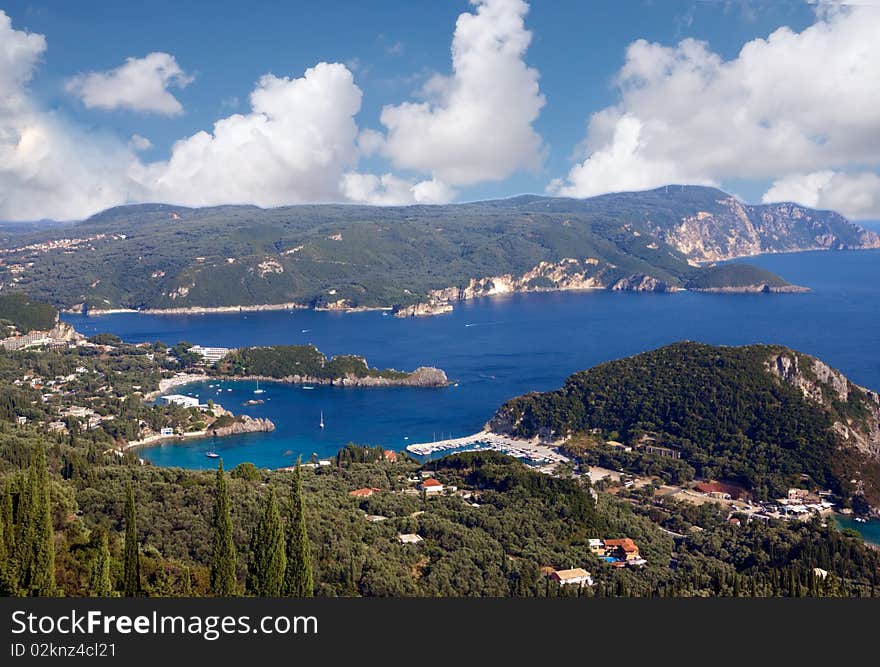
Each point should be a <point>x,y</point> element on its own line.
<point>763,416</point>
<point>334,256</point>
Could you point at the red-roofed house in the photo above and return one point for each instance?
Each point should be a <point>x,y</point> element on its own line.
<point>623,548</point>
<point>364,493</point>
<point>431,485</point>
<point>390,456</point>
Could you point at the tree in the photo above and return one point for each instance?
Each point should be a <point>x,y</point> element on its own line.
<point>35,540</point>
<point>298,576</point>
<point>131,584</point>
<point>223,583</point>
<point>100,585</point>
<point>268,560</point>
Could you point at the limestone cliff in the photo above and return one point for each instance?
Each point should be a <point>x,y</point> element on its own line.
<point>732,229</point>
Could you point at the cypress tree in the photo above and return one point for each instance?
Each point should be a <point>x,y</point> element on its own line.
<point>6,520</point>
<point>223,582</point>
<point>35,540</point>
<point>268,559</point>
<point>100,585</point>
<point>298,581</point>
<point>131,584</point>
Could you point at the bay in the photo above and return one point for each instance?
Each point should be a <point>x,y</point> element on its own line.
<point>499,347</point>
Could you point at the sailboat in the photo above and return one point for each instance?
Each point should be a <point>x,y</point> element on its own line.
<point>211,454</point>
<point>321,423</point>
<point>258,390</point>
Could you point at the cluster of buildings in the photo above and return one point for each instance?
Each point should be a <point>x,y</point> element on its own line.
<point>622,552</point>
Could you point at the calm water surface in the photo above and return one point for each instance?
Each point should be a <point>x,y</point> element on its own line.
<point>500,347</point>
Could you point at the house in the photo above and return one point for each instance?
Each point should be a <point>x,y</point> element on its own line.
<point>597,547</point>
<point>179,399</point>
<point>409,538</point>
<point>577,576</point>
<point>167,430</point>
<point>21,421</point>
<point>623,549</point>
<point>619,445</point>
<point>364,493</point>
<point>431,485</point>
<point>802,496</point>
<point>661,451</point>
<point>390,456</point>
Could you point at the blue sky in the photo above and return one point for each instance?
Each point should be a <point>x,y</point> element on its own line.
<point>392,49</point>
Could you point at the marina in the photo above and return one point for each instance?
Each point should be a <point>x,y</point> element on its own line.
<point>532,452</point>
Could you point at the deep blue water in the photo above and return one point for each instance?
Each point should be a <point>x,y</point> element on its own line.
<point>500,347</point>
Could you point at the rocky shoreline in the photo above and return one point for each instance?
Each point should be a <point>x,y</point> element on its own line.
<point>424,376</point>
<point>754,289</point>
<point>242,424</point>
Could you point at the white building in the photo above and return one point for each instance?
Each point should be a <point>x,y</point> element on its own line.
<point>409,538</point>
<point>577,576</point>
<point>212,354</point>
<point>180,399</point>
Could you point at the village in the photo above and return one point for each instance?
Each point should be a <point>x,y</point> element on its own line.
<point>616,552</point>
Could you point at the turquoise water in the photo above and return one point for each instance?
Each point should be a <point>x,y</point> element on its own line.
<point>870,531</point>
<point>500,347</point>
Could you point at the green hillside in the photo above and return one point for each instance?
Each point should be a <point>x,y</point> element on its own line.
<point>25,314</point>
<point>729,411</point>
<point>734,276</point>
<point>163,256</point>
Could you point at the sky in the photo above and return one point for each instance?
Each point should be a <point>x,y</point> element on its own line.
<point>396,102</point>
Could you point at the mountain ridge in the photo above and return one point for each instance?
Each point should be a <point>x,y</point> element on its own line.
<point>348,256</point>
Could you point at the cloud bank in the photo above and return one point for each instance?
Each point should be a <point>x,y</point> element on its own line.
<point>790,105</point>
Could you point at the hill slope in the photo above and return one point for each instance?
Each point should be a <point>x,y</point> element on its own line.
<point>334,256</point>
<point>760,415</point>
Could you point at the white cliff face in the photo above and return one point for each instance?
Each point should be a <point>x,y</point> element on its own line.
<point>822,384</point>
<point>564,275</point>
<point>740,230</point>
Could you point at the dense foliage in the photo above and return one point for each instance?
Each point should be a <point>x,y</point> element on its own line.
<point>25,314</point>
<point>282,361</point>
<point>722,408</point>
<point>734,275</point>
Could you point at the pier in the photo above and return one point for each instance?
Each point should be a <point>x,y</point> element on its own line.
<point>523,449</point>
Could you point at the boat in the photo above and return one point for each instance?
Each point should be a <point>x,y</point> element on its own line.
<point>211,454</point>
<point>258,390</point>
<point>321,424</point>
<point>861,519</point>
<point>307,387</point>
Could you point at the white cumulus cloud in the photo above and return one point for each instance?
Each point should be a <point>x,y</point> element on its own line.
<point>793,103</point>
<point>293,146</point>
<point>391,190</point>
<point>475,125</point>
<point>855,195</point>
<point>139,84</point>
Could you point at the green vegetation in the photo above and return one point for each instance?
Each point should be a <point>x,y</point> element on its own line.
<point>733,276</point>
<point>223,557</point>
<point>282,361</point>
<point>268,553</point>
<point>161,256</point>
<point>722,408</point>
<point>23,314</point>
<point>298,581</point>
<point>131,585</point>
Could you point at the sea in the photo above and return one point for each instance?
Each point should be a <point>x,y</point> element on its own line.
<point>499,347</point>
